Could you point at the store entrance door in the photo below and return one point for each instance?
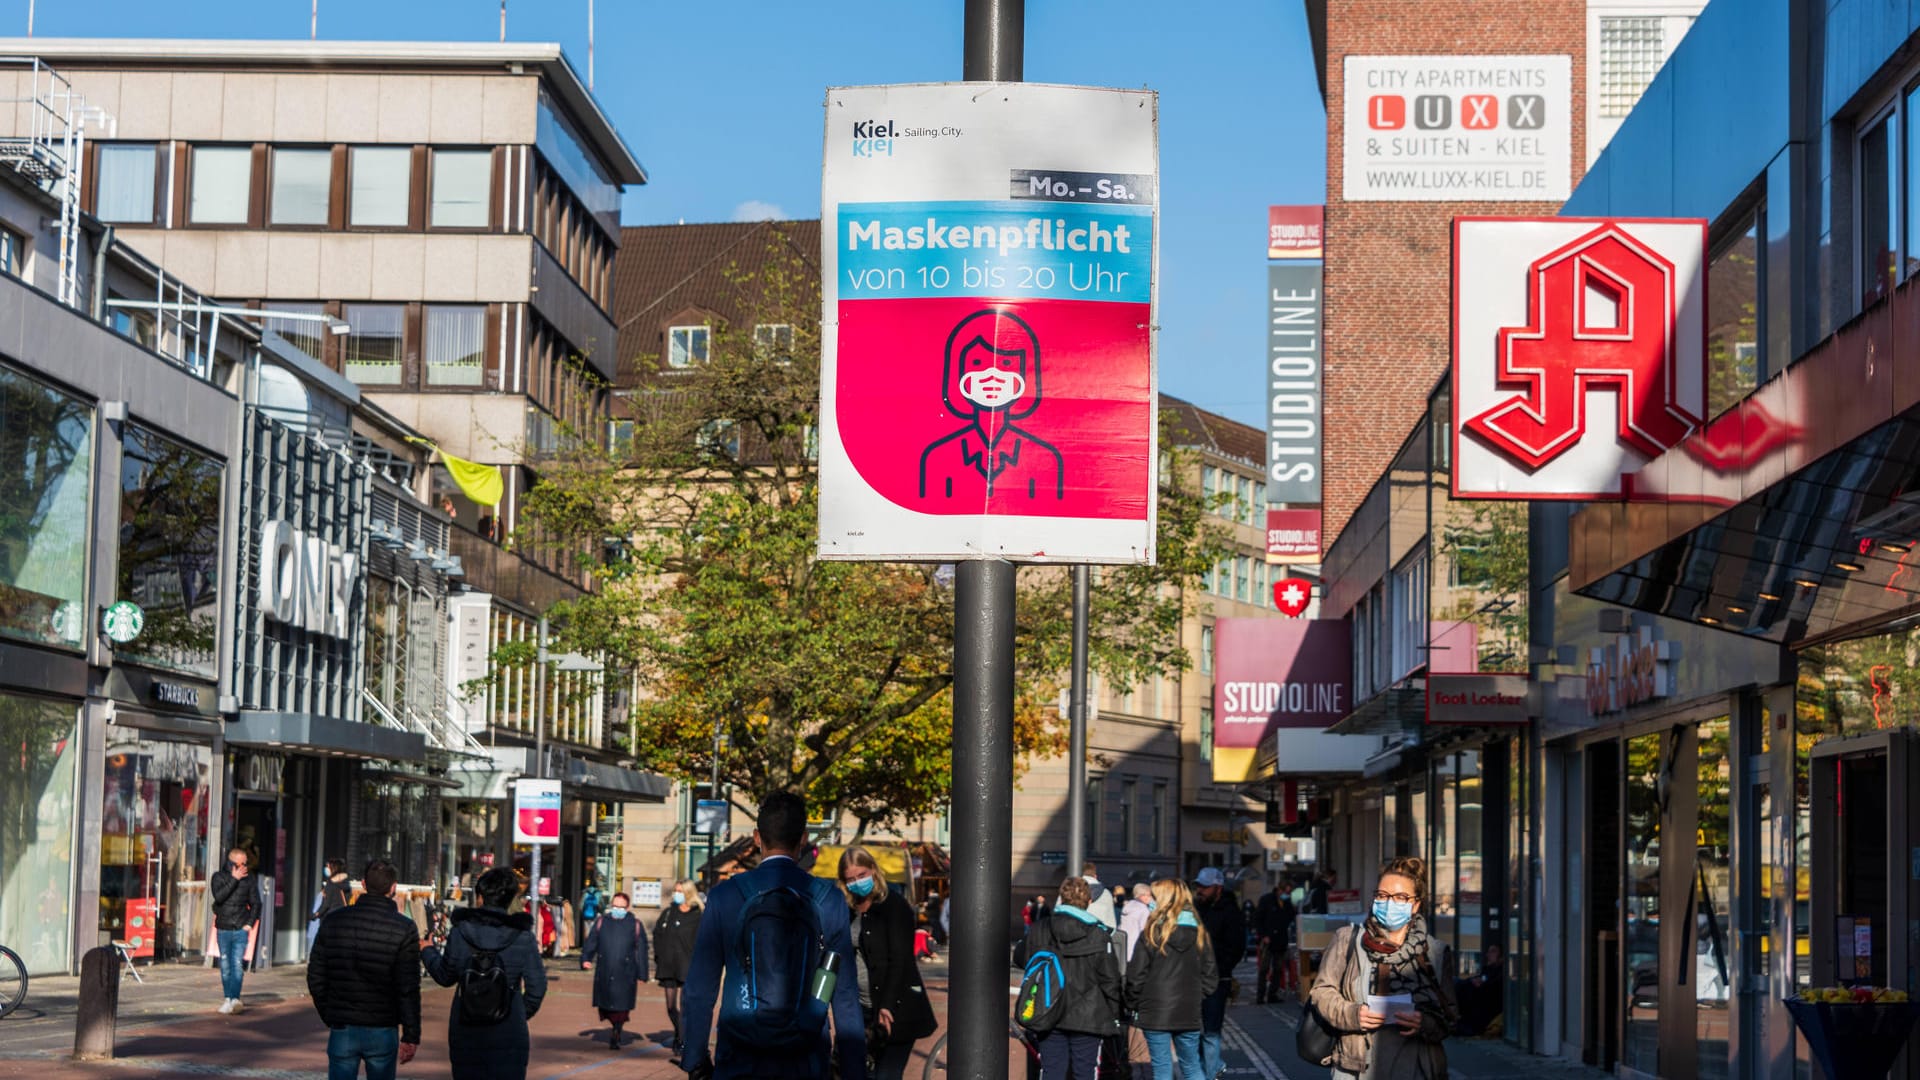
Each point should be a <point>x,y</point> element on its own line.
<point>1865,884</point>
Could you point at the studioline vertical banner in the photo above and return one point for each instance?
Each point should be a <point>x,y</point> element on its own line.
<point>1295,308</point>
<point>987,385</point>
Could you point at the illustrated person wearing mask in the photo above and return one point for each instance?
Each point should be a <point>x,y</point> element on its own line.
<point>617,944</point>
<point>673,938</point>
<point>892,996</point>
<point>992,380</point>
<point>1378,986</point>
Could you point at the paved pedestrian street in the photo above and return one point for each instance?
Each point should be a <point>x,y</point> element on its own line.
<point>168,1028</point>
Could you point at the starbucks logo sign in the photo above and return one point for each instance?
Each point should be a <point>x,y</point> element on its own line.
<point>122,622</point>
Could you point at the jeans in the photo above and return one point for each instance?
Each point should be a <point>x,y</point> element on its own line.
<point>1213,1017</point>
<point>1164,1046</point>
<point>233,960</point>
<point>1069,1052</point>
<point>348,1046</point>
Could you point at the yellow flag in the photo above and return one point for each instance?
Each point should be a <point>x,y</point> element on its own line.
<point>484,484</point>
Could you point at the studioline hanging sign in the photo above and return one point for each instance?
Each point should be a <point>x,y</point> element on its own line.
<point>987,385</point>
<point>1579,351</point>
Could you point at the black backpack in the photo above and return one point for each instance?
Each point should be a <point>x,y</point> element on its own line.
<point>777,947</point>
<point>486,997</point>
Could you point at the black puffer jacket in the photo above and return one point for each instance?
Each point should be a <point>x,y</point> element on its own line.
<point>1165,985</point>
<point>236,901</point>
<point>364,969</point>
<point>1091,965</point>
<point>1227,929</point>
<point>673,938</point>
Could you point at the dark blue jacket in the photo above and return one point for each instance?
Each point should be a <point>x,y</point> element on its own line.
<point>717,932</point>
<point>496,1051</point>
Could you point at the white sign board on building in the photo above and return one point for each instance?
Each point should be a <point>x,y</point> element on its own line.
<point>1458,128</point>
<point>987,385</point>
<point>1579,351</point>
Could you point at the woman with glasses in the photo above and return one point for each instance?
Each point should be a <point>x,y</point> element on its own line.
<point>891,994</point>
<point>1379,986</point>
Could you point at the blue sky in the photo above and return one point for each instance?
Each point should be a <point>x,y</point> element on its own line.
<point>721,100</point>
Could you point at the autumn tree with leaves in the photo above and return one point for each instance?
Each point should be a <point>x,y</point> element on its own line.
<point>830,678</point>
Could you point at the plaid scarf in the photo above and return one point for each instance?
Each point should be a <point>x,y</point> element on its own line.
<point>1407,969</point>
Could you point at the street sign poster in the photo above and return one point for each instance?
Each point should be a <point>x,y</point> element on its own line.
<point>710,817</point>
<point>1457,128</point>
<point>1273,674</point>
<point>1293,232</point>
<point>536,811</point>
<point>1579,351</point>
<point>1293,536</point>
<point>987,385</point>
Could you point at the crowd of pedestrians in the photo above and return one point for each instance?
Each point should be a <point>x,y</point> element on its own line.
<point>821,973</point>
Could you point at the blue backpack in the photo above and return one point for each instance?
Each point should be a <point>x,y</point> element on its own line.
<point>1042,1003</point>
<point>766,1003</point>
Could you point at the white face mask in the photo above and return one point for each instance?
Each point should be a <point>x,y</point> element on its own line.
<point>992,387</point>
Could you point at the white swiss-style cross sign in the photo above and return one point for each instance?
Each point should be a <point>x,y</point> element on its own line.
<point>1292,595</point>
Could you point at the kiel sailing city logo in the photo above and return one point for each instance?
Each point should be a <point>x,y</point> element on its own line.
<point>1605,370</point>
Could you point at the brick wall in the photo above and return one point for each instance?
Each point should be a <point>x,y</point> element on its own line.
<point>1388,264</point>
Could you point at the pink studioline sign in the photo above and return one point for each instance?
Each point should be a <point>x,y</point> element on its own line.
<point>1272,675</point>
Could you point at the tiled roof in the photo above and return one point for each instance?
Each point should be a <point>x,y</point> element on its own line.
<point>664,269</point>
<point>1215,433</point>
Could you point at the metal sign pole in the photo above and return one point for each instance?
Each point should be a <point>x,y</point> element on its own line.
<point>1077,724</point>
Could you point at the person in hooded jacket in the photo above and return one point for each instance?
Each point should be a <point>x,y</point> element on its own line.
<point>491,1051</point>
<point>618,944</point>
<point>673,938</point>
<point>892,997</point>
<point>1093,983</point>
<point>1172,971</point>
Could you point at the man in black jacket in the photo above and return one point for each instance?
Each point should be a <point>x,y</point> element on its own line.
<point>1273,927</point>
<point>364,975</point>
<point>1227,927</point>
<point>236,908</point>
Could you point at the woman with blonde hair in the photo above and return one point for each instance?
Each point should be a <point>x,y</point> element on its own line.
<point>1171,972</point>
<point>891,994</point>
<point>1379,989</point>
<point>673,937</point>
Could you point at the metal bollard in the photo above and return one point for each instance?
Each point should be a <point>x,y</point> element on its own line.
<point>99,1005</point>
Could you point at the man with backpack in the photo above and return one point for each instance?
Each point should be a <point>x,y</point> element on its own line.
<point>491,957</point>
<point>364,976</point>
<point>780,936</point>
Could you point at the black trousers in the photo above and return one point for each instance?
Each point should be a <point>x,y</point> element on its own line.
<point>1064,1053</point>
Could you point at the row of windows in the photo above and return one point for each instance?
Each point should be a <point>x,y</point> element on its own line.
<point>568,229</point>
<point>689,346</point>
<point>447,343</point>
<point>1244,498</point>
<point>1245,578</point>
<point>1139,824</point>
<point>362,187</point>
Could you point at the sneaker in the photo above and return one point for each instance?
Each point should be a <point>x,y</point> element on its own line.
<point>236,1006</point>
<point>226,1005</point>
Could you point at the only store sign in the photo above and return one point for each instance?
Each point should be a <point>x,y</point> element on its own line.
<point>987,384</point>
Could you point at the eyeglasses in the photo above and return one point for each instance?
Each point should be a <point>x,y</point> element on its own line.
<point>1395,897</point>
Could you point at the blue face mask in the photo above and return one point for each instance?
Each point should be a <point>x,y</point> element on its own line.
<point>1393,914</point>
<point>618,913</point>
<point>679,898</point>
<point>1152,904</point>
<point>863,887</point>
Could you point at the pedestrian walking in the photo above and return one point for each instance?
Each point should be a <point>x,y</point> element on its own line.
<point>1316,903</point>
<point>1171,973</point>
<point>1226,925</point>
<point>236,911</point>
<point>1273,927</point>
<point>1090,967</point>
<point>1036,910</point>
<point>336,892</point>
<point>673,938</point>
<point>892,997</point>
<point>1133,917</point>
<point>781,936</point>
<point>617,943</point>
<point>1379,986</point>
<point>491,956</point>
<point>363,974</point>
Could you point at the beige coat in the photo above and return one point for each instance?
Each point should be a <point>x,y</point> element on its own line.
<point>1333,993</point>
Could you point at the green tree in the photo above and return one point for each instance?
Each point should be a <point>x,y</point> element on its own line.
<point>831,678</point>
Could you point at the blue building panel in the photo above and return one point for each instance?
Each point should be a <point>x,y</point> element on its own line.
<point>1861,35</point>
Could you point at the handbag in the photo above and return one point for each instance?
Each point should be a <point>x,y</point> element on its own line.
<point>1316,1040</point>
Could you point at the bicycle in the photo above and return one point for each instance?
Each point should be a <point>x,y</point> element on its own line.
<point>13,981</point>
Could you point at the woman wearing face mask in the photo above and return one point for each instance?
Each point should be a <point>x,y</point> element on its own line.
<point>673,938</point>
<point>1172,970</point>
<point>618,944</point>
<point>1379,986</point>
<point>898,1013</point>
